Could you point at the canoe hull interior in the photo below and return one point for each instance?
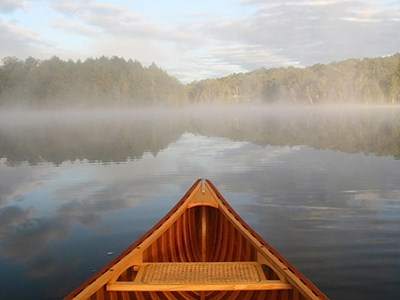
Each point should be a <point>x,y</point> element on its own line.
<point>201,234</point>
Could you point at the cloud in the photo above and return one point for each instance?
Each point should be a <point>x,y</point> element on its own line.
<point>123,27</point>
<point>22,42</point>
<point>15,183</point>
<point>113,30</point>
<point>107,18</point>
<point>75,28</point>
<point>321,31</point>
<point>11,216</point>
<point>24,235</point>
<point>33,234</point>
<point>291,33</point>
<point>215,41</point>
<point>7,6</point>
<point>26,230</point>
<point>180,48</point>
<point>250,57</point>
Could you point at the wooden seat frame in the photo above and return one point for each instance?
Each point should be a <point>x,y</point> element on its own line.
<point>211,279</point>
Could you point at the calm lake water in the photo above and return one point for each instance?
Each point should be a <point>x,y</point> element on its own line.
<point>321,185</point>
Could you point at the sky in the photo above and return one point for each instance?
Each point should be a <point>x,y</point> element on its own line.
<point>198,39</point>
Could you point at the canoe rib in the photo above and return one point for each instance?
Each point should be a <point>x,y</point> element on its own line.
<point>199,239</point>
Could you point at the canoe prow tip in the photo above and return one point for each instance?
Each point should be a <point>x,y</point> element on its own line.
<point>203,195</point>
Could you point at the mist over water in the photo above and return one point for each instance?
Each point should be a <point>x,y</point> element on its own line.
<point>319,183</point>
<point>42,136</point>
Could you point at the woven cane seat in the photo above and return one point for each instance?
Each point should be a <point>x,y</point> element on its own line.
<point>202,273</point>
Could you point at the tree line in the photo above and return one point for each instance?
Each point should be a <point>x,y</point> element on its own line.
<point>116,81</point>
<point>101,81</point>
<point>369,80</point>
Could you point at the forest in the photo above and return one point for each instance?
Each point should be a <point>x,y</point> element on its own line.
<point>115,81</point>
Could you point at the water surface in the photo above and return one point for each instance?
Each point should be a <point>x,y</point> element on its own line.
<point>321,185</point>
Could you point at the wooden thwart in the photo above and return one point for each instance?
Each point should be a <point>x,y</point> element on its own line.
<point>126,286</point>
<point>212,276</point>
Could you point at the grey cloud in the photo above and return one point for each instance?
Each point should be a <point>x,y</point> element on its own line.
<point>75,28</point>
<point>302,33</point>
<point>24,236</point>
<point>21,42</point>
<point>321,31</point>
<point>29,238</point>
<point>89,212</point>
<point>124,25</point>
<point>278,33</point>
<point>103,17</point>
<point>273,36</point>
<point>215,48</point>
<point>88,9</point>
<point>8,6</point>
<point>11,189</point>
<point>308,32</point>
<point>77,211</point>
<point>251,57</point>
<point>11,216</point>
<point>44,265</point>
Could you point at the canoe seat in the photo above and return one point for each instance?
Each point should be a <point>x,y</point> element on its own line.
<point>203,276</point>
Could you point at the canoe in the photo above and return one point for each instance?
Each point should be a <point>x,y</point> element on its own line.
<point>202,249</point>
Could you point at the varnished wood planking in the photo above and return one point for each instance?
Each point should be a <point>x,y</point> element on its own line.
<point>183,240</point>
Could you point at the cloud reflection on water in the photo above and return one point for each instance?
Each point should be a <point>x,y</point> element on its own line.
<point>284,192</point>
<point>108,188</point>
<point>29,228</point>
